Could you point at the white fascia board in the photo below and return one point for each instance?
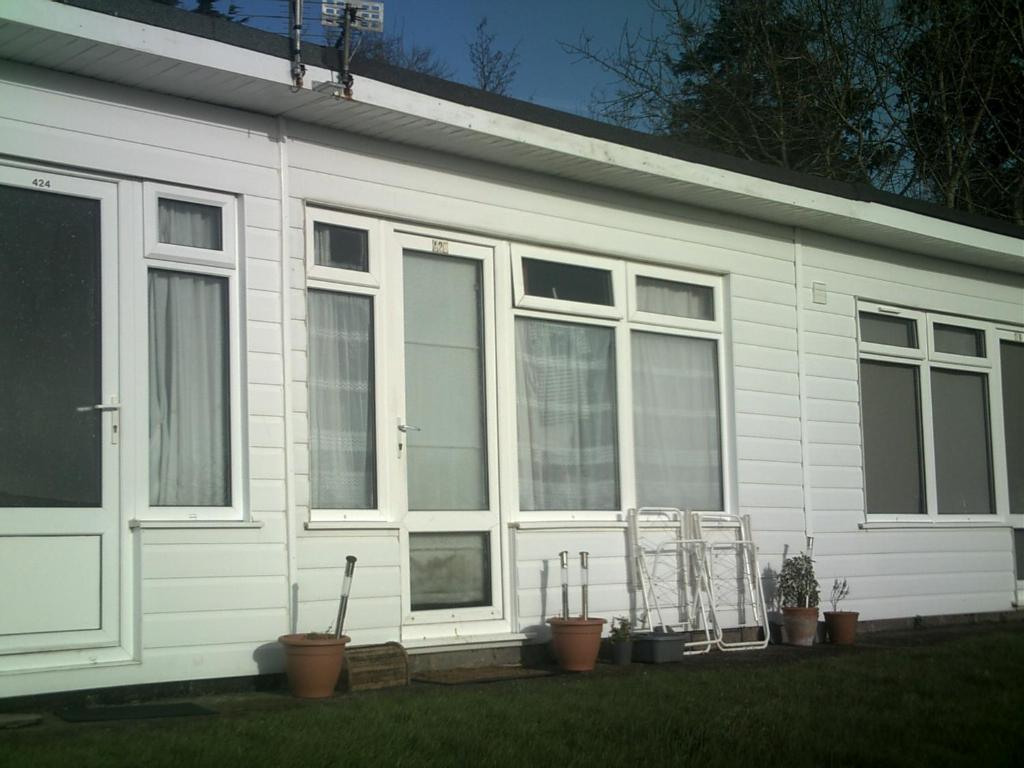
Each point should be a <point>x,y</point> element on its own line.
<point>145,38</point>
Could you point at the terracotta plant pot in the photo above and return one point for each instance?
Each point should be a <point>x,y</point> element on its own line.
<point>801,625</point>
<point>842,627</point>
<point>622,653</point>
<point>576,642</point>
<point>313,663</point>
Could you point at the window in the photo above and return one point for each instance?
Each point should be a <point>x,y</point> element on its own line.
<point>659,357</point>
<point>1011,355</point>
<point>932,415</point>
<point>194,467</point>
<point>570,283</point>
<point>189,226</point>
<point>342,247</point>
<point>343,465</point>
<point>568,441</point>
<point>342,323</point>
<point>189,391</point>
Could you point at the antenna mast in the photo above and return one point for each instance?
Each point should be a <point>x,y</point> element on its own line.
<point>364,16</point>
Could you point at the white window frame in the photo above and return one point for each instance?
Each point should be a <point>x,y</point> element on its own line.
<point>194,261</point>
<point>381,419</point>
<point>338,275</point>
<point>523,300</point>
<point>623,322</point>
<point>714,282</point>
<point>226,256</point>
<point>914,353</point>
<point>969,361</point>
<point>927,360</point>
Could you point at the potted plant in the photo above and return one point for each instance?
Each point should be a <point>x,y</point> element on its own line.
<point>621,639</point>
<point>313,660</point>
<point>798,592</point>
<point>841,625</point>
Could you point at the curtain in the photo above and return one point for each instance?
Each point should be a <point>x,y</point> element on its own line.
<point>189,406</point>
<point>666,297</point>
<point>565,377</point>
<point>341,413</point>
<point>676,422</point>
<point>341,247</point>
<point>190,224</point>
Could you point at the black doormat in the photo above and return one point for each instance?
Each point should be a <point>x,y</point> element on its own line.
<point>463,676</point>
<point>131,712</point>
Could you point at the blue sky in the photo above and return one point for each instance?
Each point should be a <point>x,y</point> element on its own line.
<point>547,75</point>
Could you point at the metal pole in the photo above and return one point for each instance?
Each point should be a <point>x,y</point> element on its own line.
<point>584,580</point>
<point>346,587</point>
<point>564,557</point>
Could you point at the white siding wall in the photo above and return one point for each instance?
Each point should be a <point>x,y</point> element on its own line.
<point>906,572</point>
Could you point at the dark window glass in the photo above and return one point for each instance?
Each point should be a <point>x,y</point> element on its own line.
<point>567,282</point>
<point>50,350</point>
<point>1012,360</point>
<point>893,331</point>
<point>893,465</point>
<point>963,447</point>
<point>449,570</point>
<point>341,247</point>
<point>954,340</point>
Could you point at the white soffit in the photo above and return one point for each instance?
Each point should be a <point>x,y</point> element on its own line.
<point>114,49</point>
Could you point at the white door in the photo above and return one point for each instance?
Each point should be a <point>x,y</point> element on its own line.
<point>59,533</point>
<point>445,438</point>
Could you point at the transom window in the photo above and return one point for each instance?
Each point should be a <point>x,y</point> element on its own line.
<point>935,438</point>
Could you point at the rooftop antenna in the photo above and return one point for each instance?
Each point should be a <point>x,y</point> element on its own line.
<point>298,68</point>
<point>364,16</point>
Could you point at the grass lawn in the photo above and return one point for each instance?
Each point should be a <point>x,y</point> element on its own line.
<point>959,702</point>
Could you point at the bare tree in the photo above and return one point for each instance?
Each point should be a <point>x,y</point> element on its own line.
<point>391,49</point>
<point>493,68</point>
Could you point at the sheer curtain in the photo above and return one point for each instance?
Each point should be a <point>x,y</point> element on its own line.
<point>191,224</point>
<point>341,413</point>
<point>676,422</point>
<point>667,297</point>
<point>189,406</point>
<point>565,376</point>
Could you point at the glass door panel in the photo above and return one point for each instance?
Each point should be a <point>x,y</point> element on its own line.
<point>50,350</point>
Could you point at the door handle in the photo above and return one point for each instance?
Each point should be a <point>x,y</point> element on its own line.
<point>99,407</point>
<point>408,428</point>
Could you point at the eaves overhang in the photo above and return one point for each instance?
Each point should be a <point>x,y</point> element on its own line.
<point>177,53</point>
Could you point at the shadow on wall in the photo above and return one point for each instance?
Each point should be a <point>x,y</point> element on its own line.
<point>269,657</point>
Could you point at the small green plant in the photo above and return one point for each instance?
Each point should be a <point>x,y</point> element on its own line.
<point>621,631</point>
<point>840,591</point>
<point>797,587</point>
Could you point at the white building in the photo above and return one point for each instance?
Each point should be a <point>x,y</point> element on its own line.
<point>226,302</point>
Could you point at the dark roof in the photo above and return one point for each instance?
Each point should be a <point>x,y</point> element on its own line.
<point>239,35</point>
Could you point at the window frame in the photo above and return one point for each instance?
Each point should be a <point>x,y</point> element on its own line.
<point>635,314</point>
<point>523,300</point>
<point>623,323</point>
<point>928,361</point>
<point>320,273</point>
<point>226,256</point>
<point>920,352</point>
<point>353,283</point>
<point>191,261</point>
